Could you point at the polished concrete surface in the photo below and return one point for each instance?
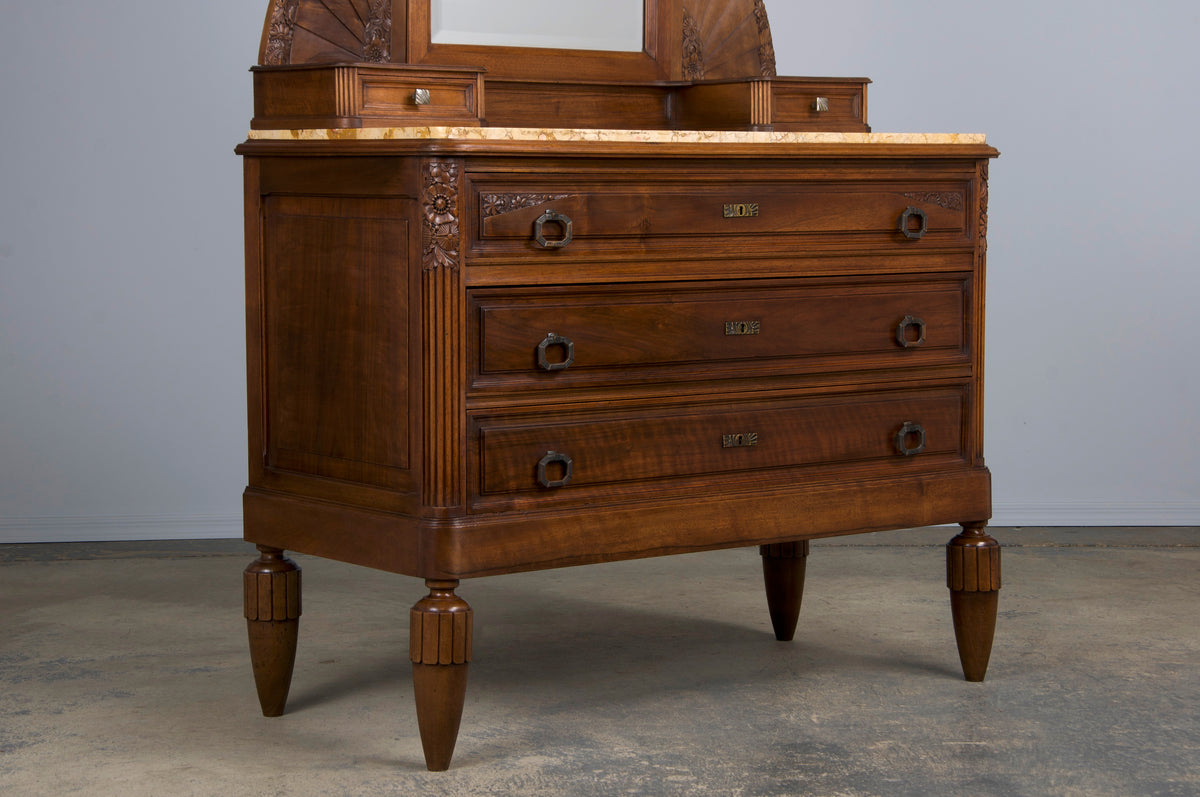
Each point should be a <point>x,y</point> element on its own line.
<point>123,671</point>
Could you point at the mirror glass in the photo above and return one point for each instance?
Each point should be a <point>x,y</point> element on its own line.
<point>612,25</point>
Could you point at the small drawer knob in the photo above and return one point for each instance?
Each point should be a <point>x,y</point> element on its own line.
<point>821,104</point>
<point>562,463</point>
<point>910,440</point>
<point>906,223</point>
<point>560,220</point>
<point>421,96</point>
<point>555,341</point>
<point>910,332</point>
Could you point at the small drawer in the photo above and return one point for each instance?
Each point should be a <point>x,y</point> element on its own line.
<point>646,333</point>
<point>365,95</point>
<point>767,441</point>
<point>797,105</point>
<point>421,99</point>
<point>570,216</point>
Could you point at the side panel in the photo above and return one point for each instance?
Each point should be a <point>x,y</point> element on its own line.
<point>336,338</point>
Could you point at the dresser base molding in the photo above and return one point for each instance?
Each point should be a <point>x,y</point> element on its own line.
<point>483,545</point>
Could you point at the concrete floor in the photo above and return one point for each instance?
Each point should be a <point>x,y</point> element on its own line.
<point>123,670</point>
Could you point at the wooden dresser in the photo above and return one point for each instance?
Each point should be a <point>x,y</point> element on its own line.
<point>477,350</point>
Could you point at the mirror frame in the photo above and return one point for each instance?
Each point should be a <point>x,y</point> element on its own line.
<point>659,60</point>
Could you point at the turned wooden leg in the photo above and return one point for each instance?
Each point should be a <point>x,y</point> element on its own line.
<point>440,649</point>
<point>783,574</point>
<point>271,587</point>
<point>973,575</point>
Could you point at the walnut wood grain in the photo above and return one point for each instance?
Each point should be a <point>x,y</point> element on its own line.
<point>271,590</point>
<point>750,342</point>
<point>705,64</point>
<point>440,631</point>
<point>783,575</point>
<point>973,576</point>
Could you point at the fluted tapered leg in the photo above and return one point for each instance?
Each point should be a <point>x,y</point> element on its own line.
<point>271,588</point>
<point>973,575</point>
<point>440,649</point>
<point>783,575</point>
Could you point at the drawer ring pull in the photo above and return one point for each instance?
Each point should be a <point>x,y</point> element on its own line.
<point>552,217</point>
<point>919,215</point>
<point>910,322</point>
<point>910,429</point>
<point>568,347</point>
<point>552,458</point>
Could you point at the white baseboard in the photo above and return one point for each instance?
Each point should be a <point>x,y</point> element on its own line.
<point>120,527</point>
<point>1093,513</point>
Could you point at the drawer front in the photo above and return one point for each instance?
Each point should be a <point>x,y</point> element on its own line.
<point>629,334</point>
<point>572,215</point>
<point>421,99</point>
<point>767,441</point>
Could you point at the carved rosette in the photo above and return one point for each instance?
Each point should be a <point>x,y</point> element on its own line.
<point>377,33</point>
<point>440,208</point>
<point>283,28</point>
<point>499,204</point>
<point>766,46</point>
<point>693,48</point>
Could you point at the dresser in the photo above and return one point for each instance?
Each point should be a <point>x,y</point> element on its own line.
<point>478,349</point>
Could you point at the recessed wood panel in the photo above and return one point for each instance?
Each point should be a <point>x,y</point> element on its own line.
<point>730,329</point>
<point>337,327</point>
<point>757,217</point>
<point>767,438</point>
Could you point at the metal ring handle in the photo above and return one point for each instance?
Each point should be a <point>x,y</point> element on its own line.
<point>556,340</point>
<point>918,214</point>
<point>551,458</point>
<point>539,233</point>
<point>910,428</point>
<point>910,322</point>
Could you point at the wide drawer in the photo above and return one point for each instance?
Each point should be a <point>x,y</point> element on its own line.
<point>577,215</point>
<point>643,332</point>
<point>558,453</point>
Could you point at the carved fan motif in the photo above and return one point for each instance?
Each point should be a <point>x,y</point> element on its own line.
<point>726,39</point>
<point>326,31</point>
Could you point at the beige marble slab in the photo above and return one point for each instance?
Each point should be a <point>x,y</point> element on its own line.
<point>632,136</point>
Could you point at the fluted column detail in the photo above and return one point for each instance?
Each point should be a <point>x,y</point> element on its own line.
<point>440,628</point>
<point>973,575</point>
<point>271,605</point>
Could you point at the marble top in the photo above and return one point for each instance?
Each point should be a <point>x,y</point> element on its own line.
<point>631,136</point>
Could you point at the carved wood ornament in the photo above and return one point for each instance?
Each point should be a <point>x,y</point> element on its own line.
<point>440,205</point>
<point>280,30</point>
<point>377,33</point>
<point>716,43</point>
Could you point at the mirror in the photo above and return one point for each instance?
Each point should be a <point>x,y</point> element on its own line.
<point>612,25</point>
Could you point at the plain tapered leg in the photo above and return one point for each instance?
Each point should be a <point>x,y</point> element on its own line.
<point>271,588</point>
<point>440,648</point>
<point>783,575</point>
<point>973,575</point>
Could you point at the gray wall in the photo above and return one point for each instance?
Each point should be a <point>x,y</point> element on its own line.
<point>122,410</point>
